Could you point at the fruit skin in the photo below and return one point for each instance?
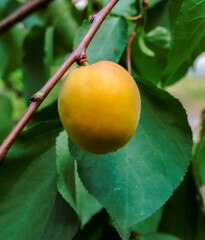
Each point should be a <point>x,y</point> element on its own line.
<point>99,106</point>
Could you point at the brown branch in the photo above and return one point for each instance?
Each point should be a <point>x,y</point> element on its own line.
<point>37,99</point>
<point>21,13</point>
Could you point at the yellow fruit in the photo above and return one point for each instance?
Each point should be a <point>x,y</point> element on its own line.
<point>99,106</point>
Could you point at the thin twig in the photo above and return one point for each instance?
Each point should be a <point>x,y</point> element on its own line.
<point>135,17</point>
<point>21,13</point>
<point>77,55</point>
<point>132,36</point>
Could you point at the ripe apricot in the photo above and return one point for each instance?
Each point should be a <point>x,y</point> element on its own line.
<point>99,106</point>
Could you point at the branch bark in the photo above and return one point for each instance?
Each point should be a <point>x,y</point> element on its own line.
<point>21,13</point>
<point>77,55</point>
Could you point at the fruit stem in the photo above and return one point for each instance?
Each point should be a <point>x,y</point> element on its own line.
<point>86,63</point>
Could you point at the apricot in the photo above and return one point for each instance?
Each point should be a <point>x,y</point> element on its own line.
<point>99,106</point>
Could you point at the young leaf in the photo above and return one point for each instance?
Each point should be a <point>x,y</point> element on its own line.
<point>110,47</point>
<point>140,177</point>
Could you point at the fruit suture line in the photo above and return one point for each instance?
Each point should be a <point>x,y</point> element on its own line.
<point>38,98</point>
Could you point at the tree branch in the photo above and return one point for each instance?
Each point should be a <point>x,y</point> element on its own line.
<point>21,13</point>
<point>37,99</point>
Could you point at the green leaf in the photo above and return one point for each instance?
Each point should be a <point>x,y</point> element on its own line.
<point>189,30</point>
<point>6,121</point>
<point>150,224</point>
<point>48,48</point>
<point>109,48</point>
<point>34,70</point>
<point>124,8</point>
<point>184,67</point>
<point>141,176</point>
<point>159,236</point>
<point>69,184</point>
<point>29,192</point>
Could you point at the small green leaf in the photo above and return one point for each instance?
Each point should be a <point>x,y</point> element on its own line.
<point>140,177</point>
<point>159,36</point>
<point>109,48</point>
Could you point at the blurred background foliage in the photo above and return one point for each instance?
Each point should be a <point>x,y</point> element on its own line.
<point>168,51</point>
